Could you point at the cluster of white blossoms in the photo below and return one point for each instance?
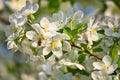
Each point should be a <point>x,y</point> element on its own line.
<point>63,43</point>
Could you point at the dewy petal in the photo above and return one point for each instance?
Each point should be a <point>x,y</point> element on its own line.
<point>81,67</point>
<point>112,68</point>
<point>38,29</point>
<point>32,35</point>
<point>34,8</point>
<point>44,21</point>
<point>46,50</point>
<point>66,46</point>
<point>107,60</point>
<point>98,65</point>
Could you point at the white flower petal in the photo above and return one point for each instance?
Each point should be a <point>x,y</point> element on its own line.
<point>46,50</point>
<point>98,65</point>
<point>94,75</point>
<point>44,21</point>
<point>94,36</point>
<point>38,29</point>
<point>78,16</point>
<point>47,68</point>
<point>31,35</point>
<point>66,46</point>
<point>112,68</point>
<point>42,76</point>
<point>52,27</point>
<point>107,60</point>
<point>35,44</point>
<point>108,32</point>
<point>34,8</point>
<point>12,45</point>
<point>57,52</point>
<point>91,21</point>
<point>81,67</point>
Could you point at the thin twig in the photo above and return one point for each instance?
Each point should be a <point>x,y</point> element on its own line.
<point>91,54</point>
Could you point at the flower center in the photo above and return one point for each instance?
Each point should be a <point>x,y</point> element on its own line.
<point>93,30</point>
<point>54,44</point>
<point>46,27</point>
<point>105,67</point>
<point>115,29</point>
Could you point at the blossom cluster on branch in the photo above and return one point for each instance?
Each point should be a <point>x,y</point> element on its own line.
<point>65,45</point>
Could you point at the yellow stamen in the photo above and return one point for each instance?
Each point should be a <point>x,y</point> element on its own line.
<point>46,27</point>
<point>54,44</point>
<point>105,67</point>
<point>93,30</point>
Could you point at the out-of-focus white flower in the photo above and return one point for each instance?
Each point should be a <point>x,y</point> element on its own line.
<point>14,39</point>
<point>91,33</point>
<point>59,75</point>
<point>9,30</point>
<point>55,45</point>
<point>106,65</point>
<point>114,27</point>
<point>17,20</point>
<point>67,63</point>
<point>112,9</point>
<point>60,19</point>
<point>100,75</point>
<point>29,8</point>
<point>43,76</point>
<point>16,5</point>
<point>88,11</point>
<point>74,17</point>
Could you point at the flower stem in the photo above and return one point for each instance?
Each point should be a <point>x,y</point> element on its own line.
<point>91,54</point>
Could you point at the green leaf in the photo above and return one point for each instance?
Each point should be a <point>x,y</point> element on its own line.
<point>118,63</point>
<point>101,31</point>
<point>81,26</point>
<point>99,49</point>
<point>81,58</point>
<point>54,5</point>
<point>96,43</point>
<point>114,52</point>
<point>67,30</point>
